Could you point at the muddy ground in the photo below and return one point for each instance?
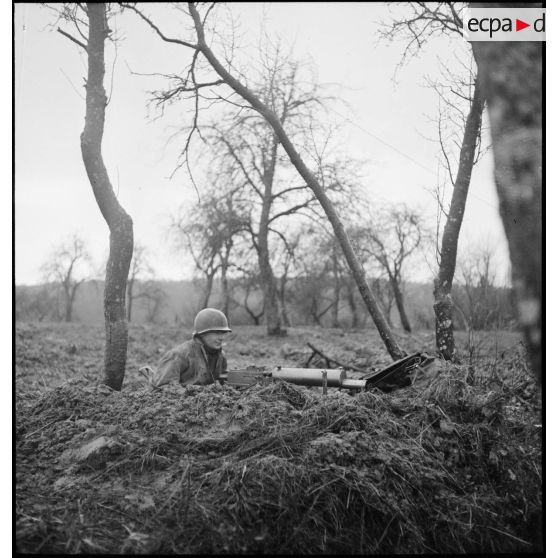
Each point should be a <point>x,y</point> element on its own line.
<point>49,354</point>
<point>452,466</point>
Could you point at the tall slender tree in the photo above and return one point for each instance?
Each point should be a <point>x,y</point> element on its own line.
<point>423,21</point>
<point>119,222</point>
<point>443,302</point>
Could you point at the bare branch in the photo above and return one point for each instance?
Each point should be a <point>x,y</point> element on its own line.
<point>291,210</point>
<point>288,190</point>
<point>73,39</point>
<point>157,30</point>
<point>444,151</point>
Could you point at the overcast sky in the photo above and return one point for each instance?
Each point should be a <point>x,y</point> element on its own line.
<point>387,122</point>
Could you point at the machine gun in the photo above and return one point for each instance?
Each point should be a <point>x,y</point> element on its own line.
<point>397,374</point>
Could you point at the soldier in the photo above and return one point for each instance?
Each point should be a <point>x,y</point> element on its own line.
<point>199,361</point>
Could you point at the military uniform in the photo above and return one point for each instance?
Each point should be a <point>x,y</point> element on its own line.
<point>190,363</point>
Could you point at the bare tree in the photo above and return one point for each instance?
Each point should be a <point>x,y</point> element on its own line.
<point>312,296</point>
<point>315,291</point>
<point>286,254</point>
<point>384,294</point>
<point>335,269</point>
<point>154,299</point>
<point>262,107</point>
<point>192,237</point>
<point>336,272</point>
<point>391,242</point>
<point>251,149</point>
<point>139,267</point>
<point>207,230</point>
<point>352,301</point>
<point>443,303</point>
<point>511,79</point>
<point>94,16</point>
<point>231,225</point>
<point>421,21</point>
<point>63,269</point>
<point>429,19</point>
<point>248,284</point>
<point>476,276</point>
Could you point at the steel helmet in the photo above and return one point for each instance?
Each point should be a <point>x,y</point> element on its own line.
<point>210,319</point>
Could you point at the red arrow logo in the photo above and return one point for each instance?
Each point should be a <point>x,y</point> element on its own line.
<point>519,25</point>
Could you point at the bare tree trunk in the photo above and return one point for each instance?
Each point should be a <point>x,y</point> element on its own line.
<point>224,292</point>
<point>255,316</point>
<point>130,292</point>
<point>284,316</point>
<point>271,308</point>
<point>75,288</point>
<point>68,310</point>
<point>398,295</point>
<point>119,222</point>
<point>511,78</point>
<point>57,311</point>
<point>336,293</point>
<point>352,305</point>
<point>356,269</point>
<point>385,295</point>
<point>207,290</point>
<point>316,316</point>
<point>70,291</point>
<point>153,307</point>
<point>282,303</point>
<point>67,304</point>
<point>443,302</point>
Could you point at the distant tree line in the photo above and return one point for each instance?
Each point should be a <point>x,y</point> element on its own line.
<point>321,297</point>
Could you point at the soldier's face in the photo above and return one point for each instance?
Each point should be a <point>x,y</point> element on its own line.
<point>214,339</point>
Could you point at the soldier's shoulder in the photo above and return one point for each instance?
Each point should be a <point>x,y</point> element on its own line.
<point>183,348</point>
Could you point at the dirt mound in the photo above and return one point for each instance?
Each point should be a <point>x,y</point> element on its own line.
<point>452,467</point>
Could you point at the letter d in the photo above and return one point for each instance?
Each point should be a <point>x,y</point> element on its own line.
<point>538,26</point>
